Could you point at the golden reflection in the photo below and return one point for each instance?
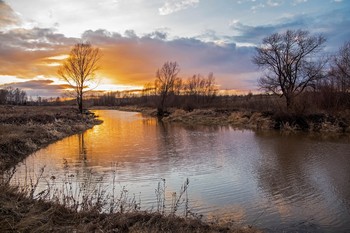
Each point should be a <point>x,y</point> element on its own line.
<point>82,147</point>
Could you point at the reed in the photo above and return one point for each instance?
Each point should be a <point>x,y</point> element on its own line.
<point>90,193</point>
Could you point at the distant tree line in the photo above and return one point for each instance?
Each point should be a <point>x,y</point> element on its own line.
<point>167,90</point>
<point>13,96</point>
<point>16,96</point>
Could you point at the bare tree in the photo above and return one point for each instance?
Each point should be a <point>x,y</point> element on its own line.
<point>291,62</point>
<point>340,68</point>
<point>194,85</point>
<point>166,77</point>
<point>9,95</point>
<point>78,70</point>
<point>210,89</point>
<point>177,87</point>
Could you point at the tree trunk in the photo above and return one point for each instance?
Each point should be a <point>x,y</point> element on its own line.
<point>289,101</point>
<point>80,103</point>
<point>161,107</point>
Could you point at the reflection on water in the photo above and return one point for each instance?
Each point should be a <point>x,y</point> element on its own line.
<point>275,182</point>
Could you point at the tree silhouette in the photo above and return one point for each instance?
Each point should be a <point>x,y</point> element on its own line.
<point>291,62</point>
<point>340,68</point>
<point>166,77</point>
<point>78,70</point>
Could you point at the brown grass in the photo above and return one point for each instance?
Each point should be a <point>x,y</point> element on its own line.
<point>21,214</point>
<point>245,119</point>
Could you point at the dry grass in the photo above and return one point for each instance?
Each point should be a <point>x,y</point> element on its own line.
<point>19,213</point>
<point>284,121</point>
<point>237,119</point>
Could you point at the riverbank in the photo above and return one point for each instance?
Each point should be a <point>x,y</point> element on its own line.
<point>27,129</point>
<point>338,123</point>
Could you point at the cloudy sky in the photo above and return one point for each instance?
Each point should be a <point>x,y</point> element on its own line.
<point>137,36</point>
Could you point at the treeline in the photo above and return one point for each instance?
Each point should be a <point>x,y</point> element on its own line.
<point>193,92</point>
<point>334,87</point>
<point>13,96</point>
<point>16,96</point>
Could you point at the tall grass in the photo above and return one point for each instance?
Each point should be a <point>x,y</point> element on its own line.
<point>92,193</point>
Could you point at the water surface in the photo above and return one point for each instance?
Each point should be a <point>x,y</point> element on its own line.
<point>297,182</point>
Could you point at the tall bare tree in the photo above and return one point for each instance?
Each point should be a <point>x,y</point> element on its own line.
<point>165,79</point>
<point>291,62</point>
<point>340,68</point>
<point>78,70</point>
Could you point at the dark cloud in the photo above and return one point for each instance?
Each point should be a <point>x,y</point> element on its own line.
<point>7,16</point>
<point>255,34</point>
<point>157,35</point>
<point>44,88</point>
<point>333,25</point>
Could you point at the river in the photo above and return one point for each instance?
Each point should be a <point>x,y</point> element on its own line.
<point>273,181</point>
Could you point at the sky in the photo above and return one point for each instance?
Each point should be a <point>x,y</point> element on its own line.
<point>136,37</point>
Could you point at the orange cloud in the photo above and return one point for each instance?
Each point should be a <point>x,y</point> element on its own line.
<point>127,60</point>
<point>134,60</point>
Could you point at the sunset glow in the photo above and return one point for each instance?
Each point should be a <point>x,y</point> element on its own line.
<point>137,37</point>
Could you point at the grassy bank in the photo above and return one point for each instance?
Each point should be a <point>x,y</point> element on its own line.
<point>24,130</point>
<point>19,213</point>
<point>27,129</point>
<point>285,121</point>
<point>320,122</point>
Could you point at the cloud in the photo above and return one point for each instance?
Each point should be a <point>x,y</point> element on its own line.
<point>7,16</point>
<point>274,3</point>
<point>128,59</point>
<point>296,2</point>
<point>256,7</point>
<point>135,59</point>
<point>171,6</point>
<point>44,88</point>
<point>260,4</point>
<point>254,34</point>
<point>23,51</point>
<point>132,59</point>
<point>332,25</point>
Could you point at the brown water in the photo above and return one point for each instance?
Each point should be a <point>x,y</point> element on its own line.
<point>272,181</point>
